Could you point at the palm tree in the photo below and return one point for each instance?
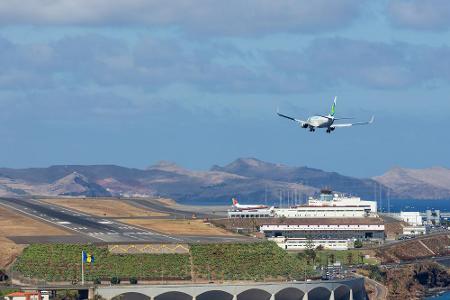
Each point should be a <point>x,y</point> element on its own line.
<point>349,258</point>
<point>332,258</point>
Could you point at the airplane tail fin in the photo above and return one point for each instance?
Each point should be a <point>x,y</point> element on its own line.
<point>333,107</point>
<point>235,202</point>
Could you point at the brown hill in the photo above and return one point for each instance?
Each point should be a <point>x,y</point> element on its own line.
<point>430,183</point>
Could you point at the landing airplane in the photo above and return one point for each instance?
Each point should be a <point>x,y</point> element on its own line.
<point>320,121</point>
<point>238,206</point>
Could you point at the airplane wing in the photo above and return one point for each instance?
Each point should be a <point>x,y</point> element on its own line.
<point>291,118</point>
<point>353,124</point>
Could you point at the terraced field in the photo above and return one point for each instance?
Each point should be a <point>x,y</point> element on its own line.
<point>58,262</point>
<point>245,262</point>
<point>259,261</point>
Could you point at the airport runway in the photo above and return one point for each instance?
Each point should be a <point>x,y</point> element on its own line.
<point>97,229</point>
<point>159,207</point>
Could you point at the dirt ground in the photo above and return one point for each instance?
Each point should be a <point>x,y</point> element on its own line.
<point>15,224</point>
<point>9,251</point>
<point>105,207</point>
<point>166,201</point>
<point>179,227</point>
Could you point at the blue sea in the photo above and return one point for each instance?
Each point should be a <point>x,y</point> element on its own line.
<point>415,205</point>
<point>444,296</point>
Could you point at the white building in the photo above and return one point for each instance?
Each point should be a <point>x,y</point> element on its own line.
<point>414,230</point>
<point>26,296</point>
<point>328,205</point>
<point>327,198</point>
<point>251,213</point>
<point>323,212</point>
<point>413,218</point>
<point>320,229</point>
<point>298,244</point>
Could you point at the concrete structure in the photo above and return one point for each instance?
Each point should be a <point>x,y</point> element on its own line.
<point>328,198</point>
<point>148,248</point>
<point>325,231</point>
<point>413,218</point>
<point>433,217</point>
<point>414,230</point>
<point>323,212</point>
<point>350,289</point>
<point>328,205</point>
<point>292,244</point>
<point>251,213</point>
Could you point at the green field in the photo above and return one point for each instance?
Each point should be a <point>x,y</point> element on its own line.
<point>57,262</point>
<point>258,261</point>
<point>246,262</point>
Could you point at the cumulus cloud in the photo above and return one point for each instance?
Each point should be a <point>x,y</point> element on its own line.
<point>335,61</point>
<point>419,14</point>
<point>106,62</point>
<point>233,17</point>
<point>152,64</point>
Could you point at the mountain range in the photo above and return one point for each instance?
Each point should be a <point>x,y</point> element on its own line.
<point>249,179</point>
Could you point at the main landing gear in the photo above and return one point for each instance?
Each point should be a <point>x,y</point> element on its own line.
<point>330,129</point>
<point>312,129</point>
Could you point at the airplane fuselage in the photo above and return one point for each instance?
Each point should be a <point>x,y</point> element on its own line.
<point>247,207</point>
<point>320,122</point>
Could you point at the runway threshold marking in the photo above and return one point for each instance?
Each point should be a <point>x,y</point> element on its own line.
<point>68,211</point>
<point>45,220</point>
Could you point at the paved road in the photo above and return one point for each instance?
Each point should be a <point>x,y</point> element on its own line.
<point>381,291</point>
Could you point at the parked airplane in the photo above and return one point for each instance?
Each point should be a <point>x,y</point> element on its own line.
<point>238,206</point>
<point>320,121</point>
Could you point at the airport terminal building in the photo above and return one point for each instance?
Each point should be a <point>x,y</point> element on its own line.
<point>327,205</point>
<point>327,229</point>
<point>293,244</point>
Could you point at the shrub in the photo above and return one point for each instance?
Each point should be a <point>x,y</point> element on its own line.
<point>376,273</point>
<point>133,280</point>
<point>115,280</point>
<point>358,244</point>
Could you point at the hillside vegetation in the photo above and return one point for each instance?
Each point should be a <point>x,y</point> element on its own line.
<point>57,262</point>
<point>62,262</point>
<point>245,261</point>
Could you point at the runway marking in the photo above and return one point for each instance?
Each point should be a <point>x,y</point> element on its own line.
<point>45,220</point>
<point>127,236</point>
<point>64,222</point>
